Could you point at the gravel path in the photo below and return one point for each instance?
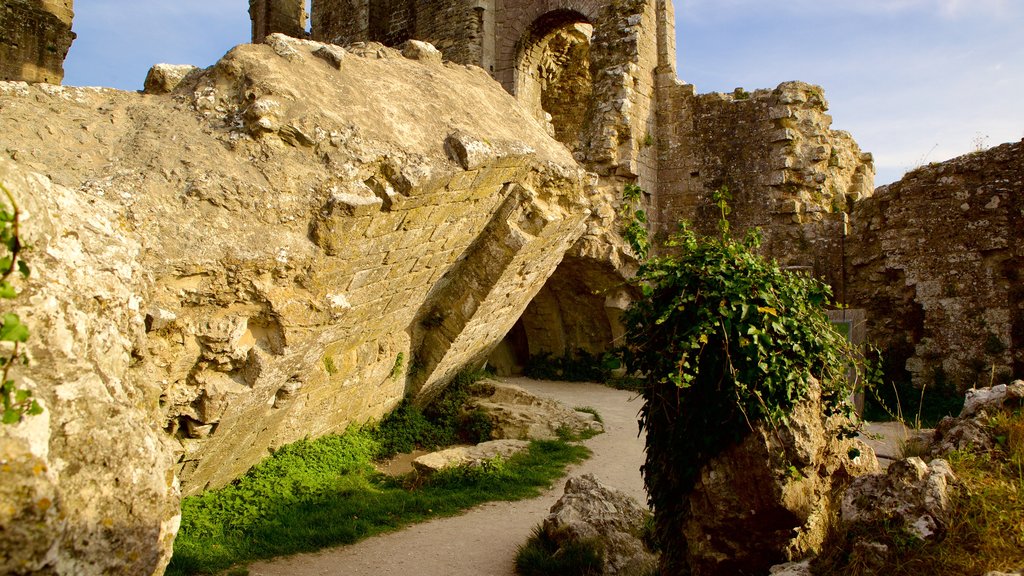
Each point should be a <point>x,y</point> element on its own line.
<point>483,541</point>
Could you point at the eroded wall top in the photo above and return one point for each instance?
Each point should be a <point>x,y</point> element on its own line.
<point>35,36</point>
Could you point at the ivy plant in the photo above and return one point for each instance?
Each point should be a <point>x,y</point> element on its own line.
<point>17,402</point>
<point>725,339</point>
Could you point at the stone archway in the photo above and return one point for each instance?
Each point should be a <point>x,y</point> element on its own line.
<point>553,74</point>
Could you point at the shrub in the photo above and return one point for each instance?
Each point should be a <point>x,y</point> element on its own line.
<point>725,339</point>
<point>542,555</point>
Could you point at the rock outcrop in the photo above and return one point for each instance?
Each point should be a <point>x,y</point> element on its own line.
<point>592,512</point>
<point>770,498</point>
<point>288,243</point>
<point>472,456</point>
<point>517,414</point>
<point>35,36</point>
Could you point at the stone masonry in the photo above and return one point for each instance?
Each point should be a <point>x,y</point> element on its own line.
<point>937,261</point>
<point>35,36</point>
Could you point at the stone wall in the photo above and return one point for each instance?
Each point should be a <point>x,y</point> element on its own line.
<point>35,36</point>
<point>937,262</point>
<point>277,17</point>
<point>288,244</point>
<point>788,172</point>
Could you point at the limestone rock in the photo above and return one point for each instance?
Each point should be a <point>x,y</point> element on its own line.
<point>422,51</point>
<point>589,510</point>
<point>473,456</point>
<point>993,398</point>
<point>214,277</point>
<point>751,508</point>
<point>911,494</point>
<point>164,78</point>
<point>88,486</point>
<point>515,413</point>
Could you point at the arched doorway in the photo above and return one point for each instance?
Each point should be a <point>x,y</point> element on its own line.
<point>553,74</point>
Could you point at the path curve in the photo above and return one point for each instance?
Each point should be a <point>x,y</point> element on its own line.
<point>483,540</point>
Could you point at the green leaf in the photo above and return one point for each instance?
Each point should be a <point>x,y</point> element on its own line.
<point>12,329</point>
<point>11,416</point>
<point>24,269</point>
<point>7,291</point>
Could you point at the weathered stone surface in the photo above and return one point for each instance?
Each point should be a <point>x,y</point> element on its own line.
<point>164,78</point>
<point>911,494</point>
<point>35,37</point>
<point>217,273</point>
<point>88,486</point>
<point>277,17</point>
<point>753,508</point>
<point>589,510</point>
<point>950,311</point>
<point>515,413</point>
<point>993,398</point>
<point>472,456</point>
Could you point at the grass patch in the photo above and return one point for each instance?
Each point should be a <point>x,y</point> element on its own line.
<point>318,493</point>
<point>542,556</point>
<point>592,411</point>
<point>987,528</point>
<point>278,509</point>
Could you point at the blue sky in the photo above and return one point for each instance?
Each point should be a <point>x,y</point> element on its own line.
<point>914,81</point>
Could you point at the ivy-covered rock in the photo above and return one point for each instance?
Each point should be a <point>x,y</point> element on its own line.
<point>745,404</point>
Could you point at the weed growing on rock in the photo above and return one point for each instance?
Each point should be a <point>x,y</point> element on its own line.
<point>17,402</point>
<point>542,555</point>
<point>725,339</point>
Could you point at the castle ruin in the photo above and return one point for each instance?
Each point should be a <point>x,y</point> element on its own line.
<point>298,237</point>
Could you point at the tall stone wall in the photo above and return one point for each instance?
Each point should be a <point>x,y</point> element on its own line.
<point>290,243</point>
<point>788,172</point>
<point>35,36</point>
<point>937,259</point>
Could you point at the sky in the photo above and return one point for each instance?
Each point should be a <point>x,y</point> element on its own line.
<point>914,81</point>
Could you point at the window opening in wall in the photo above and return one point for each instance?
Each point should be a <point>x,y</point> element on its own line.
<point>553,75</point>
<point>309,17</point>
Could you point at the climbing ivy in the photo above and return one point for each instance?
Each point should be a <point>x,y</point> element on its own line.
<point>16,401</point>
<point>726,339</point>
<point>634,221</point>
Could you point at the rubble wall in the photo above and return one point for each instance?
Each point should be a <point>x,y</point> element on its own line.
<point>788,172</point>
<point>35,36</point>
<point>936,260</point>
<point>290,243</point>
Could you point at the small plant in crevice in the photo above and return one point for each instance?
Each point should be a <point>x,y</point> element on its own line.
<point>17,402</point>
<point>634,221</point>
<point>329,366</point>
<point>740,94</point>
<point>396,370</point>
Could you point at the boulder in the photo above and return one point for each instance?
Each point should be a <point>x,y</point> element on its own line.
<point>515,413</point>
<point>993,398</point>
<point>770,498</point>
<point>472,456</point>
<point>591,511</point>
<point>164,78</point>
<point>912,494</point>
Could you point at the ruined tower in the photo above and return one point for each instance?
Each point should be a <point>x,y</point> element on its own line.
<point>277,16</point>
<point>35,36</point>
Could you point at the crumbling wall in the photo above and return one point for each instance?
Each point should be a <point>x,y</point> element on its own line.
<point>277,17</point>
<point>341,22</point>
<point>35,36</point>
<point>788,172</point>
<point>290,243</point>
<point>936,259</point>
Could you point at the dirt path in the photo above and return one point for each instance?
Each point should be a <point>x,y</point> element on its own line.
<point>483,541</point>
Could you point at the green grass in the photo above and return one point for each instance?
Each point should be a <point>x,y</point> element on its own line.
<point>326,492</point>
<point>282,508</point>
<point>542,555</point>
